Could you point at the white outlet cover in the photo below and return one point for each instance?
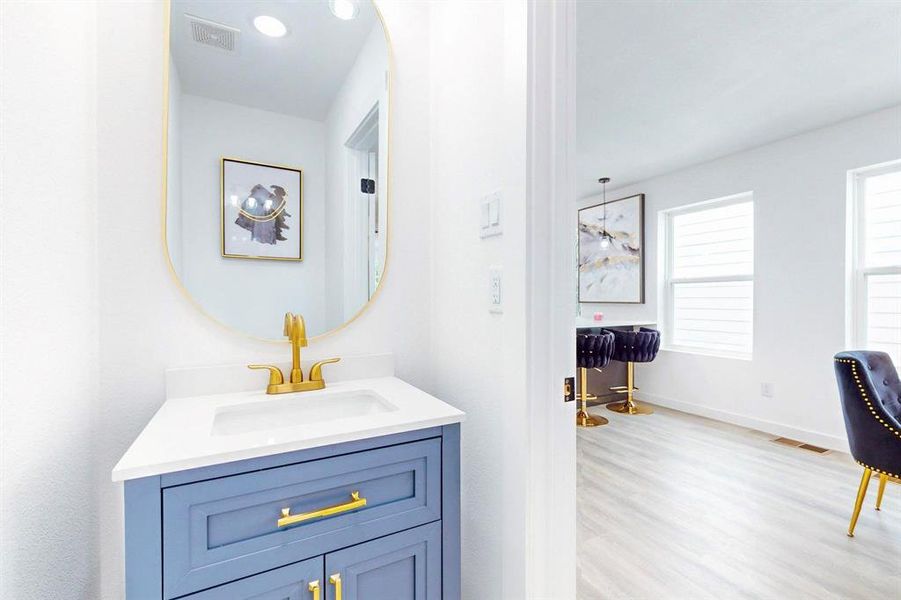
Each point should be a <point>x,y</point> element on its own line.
<point>495,289</point>
<point>767,390</point>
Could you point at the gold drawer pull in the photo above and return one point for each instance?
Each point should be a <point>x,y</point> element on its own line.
<point>335,580</point>
<point>289,519</point>
<point>314,587</point>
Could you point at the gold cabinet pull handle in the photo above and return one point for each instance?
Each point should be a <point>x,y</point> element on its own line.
<point>289,519</point>
<point>335,580</point>
<point>314,587</point>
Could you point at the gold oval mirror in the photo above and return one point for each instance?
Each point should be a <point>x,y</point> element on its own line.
<point>276,162</point>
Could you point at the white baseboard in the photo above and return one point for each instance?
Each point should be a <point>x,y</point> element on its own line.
<point>816,438</point>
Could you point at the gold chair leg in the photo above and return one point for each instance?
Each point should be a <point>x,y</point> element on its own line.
<point>630,407</point>
<point>583,419</point>
<point>883,479</point>
<point>861,494</point>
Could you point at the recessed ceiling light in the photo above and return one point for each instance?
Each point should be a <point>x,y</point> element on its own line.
<point>344,9</point>
<point>270,26</point>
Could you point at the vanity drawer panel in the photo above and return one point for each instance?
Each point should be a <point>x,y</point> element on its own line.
<point>223,529</point>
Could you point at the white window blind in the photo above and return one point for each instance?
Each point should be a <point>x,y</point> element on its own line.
<point>878,268</point>
<point>710,277</point>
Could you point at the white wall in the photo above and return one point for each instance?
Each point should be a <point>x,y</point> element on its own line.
<point>477,55</point>
<point>211,129</point>
<point>147,325</point>
<point>48,328</point>
<point>799,187</point>
<point>363,88</point>
<point>173,172</point>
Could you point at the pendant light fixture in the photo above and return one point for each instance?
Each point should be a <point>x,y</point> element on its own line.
<point>605,237</point>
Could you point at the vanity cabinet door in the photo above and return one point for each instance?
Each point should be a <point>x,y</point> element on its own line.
<point>288,583</point>
<point>403,566</point>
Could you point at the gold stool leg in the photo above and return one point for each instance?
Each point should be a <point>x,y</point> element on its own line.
<point>583,419</point>
<point>630,406</point>
<point>883,479</point>
<point>861,494</point>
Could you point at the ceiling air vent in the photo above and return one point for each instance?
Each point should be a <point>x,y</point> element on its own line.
<point>212,34</point>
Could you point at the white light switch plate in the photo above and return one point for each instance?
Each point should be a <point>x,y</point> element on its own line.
<point>490,215</point>
<point>495,298</point>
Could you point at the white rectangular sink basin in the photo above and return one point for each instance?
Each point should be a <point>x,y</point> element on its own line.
<point>298,409</point>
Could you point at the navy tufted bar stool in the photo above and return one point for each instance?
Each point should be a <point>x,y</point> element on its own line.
<point>631,347</point>
<point>871,403</point>
<point>593,351</point>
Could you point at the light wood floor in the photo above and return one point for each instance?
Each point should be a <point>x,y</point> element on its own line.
<point>677,506</point>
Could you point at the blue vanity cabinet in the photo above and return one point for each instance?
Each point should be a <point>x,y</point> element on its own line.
<point>224,528</point>
<point>383,514</point>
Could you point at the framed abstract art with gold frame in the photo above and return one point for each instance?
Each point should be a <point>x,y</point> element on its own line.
<point>611,251</point>
<point>262,210</point>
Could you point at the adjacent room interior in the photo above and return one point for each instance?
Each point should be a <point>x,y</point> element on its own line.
<point>739,184</point>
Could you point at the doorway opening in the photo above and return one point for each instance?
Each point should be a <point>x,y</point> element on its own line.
<point>364,226</point>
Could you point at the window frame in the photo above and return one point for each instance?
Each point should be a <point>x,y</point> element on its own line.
<point>857,316</point>
<point>669,282</point>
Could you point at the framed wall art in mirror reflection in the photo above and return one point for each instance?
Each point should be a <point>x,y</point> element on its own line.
<point>611,247</point>
<point>262,210</point>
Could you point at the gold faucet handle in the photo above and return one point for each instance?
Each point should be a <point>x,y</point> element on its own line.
<point>316,369</point>
<point>275,374</point>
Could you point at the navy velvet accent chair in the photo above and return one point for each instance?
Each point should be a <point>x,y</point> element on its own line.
<point>593,351</point>
<point>631,347</point>
<point>871,402</point>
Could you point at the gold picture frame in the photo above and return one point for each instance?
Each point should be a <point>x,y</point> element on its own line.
<point>590,262</point>
<point>256,225</point>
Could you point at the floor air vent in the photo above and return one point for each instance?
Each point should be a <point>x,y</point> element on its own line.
<point>813,448</point>
<point>796,444</point>
<point>788,442</point>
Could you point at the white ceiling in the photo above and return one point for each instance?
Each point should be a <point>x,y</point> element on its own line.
<point>664,85</point>
<point>298,74</point>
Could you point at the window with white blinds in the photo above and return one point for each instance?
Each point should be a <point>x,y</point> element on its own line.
<point>710,277</point>
<point>877,272</point>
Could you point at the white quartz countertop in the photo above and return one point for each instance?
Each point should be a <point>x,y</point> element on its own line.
<point>183,433</point>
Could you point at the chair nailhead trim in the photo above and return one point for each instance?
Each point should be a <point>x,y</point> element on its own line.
<point>866,466</point>
<point>863,395</point>
<point>869,404</point>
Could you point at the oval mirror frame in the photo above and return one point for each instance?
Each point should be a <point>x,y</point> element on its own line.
<point>167,54</point>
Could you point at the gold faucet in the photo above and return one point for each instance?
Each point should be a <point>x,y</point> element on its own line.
<point>296,332</point>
